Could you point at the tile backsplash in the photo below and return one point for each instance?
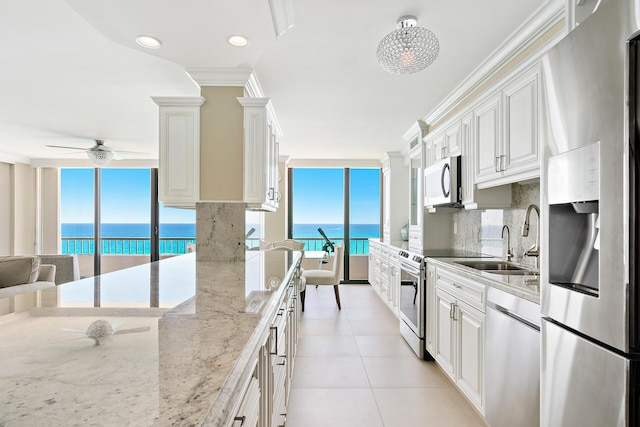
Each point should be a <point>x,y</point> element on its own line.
<point>480,230</point>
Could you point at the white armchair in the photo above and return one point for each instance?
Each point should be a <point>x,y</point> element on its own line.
<point>327,277</point>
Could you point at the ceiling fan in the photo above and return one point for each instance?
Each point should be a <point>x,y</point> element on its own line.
<point>99,154</point>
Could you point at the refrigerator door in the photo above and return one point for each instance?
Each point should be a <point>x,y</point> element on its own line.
<point>582,383</point>
<point>585,77</point>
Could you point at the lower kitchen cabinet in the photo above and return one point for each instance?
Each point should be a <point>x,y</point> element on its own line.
<point>458,342</point>
<point>265,397</point>
<point>384,274</point>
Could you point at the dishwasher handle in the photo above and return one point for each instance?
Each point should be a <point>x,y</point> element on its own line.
<point>513,315</point>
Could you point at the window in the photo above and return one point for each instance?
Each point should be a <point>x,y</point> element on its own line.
<point>344,203</point>
<point>125,217</point>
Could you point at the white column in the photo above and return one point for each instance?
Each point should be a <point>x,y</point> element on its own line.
<point>48,220</point>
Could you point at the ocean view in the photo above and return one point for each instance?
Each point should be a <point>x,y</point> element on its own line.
<point>134,238</point>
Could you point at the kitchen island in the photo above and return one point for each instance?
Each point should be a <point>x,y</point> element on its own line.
<point>188,336</point>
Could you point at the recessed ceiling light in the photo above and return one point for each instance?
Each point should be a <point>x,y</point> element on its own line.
<point>238,41</point>
<point>148,42</point>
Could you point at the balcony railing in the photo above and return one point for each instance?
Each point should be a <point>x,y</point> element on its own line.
<point>176,246</point>
<point>125,245</point>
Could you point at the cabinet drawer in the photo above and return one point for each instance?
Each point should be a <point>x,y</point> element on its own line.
<point>465,289</point>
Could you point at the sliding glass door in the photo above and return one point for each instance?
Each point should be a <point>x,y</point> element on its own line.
<point>344,203</point>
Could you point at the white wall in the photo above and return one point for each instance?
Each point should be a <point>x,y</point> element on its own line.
<point>5,209</point>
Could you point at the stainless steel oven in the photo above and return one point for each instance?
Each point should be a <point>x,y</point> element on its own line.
<point>412,303</point>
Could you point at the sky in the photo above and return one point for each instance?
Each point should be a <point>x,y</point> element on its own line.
<point>125,198</point>
<point>318,196</point>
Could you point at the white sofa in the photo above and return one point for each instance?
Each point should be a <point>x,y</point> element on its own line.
<point>20,274</point>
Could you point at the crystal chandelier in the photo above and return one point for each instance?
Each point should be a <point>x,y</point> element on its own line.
<point>408,49</point>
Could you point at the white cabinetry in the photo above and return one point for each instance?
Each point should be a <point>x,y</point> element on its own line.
<point>384,273</point>
<point>472,197</point>
<point>395,194</point>
<point>179,154</point>
<point>459,333</point>
<point>506,132</point>
<point>444,143</point>
<point>416,195</point>
<point>261,134</point>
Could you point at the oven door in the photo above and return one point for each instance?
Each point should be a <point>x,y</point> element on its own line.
<point>411,298</point>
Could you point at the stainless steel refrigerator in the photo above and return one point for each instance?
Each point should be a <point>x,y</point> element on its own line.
<point>590,353</point>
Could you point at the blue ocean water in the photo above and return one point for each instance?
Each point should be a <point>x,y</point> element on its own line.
<point>70,230</point>
<point>126,238</point>
<point>358,233</point>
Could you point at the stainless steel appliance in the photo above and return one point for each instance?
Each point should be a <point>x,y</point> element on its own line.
<point>590,354</point>
<point>412,301</point>
<point>441,183</point>
<point>512,361</point>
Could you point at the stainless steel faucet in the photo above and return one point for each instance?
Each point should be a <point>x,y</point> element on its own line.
<point>509,253</point>
<point>534,251</point>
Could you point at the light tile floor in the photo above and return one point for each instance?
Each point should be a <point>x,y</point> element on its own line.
<point>354,369</point>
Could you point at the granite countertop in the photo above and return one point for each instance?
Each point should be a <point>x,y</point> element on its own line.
<point>191,328</point>
<point>526,286</point>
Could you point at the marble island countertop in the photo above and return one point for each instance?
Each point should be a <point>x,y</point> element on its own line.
<point>191,325</point>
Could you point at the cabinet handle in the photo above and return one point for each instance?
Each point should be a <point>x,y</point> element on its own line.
<point>271,193</point>
<point>241,419</point>
<point>502,167</point>
<point>455,285</point>
<point>451,310</point>
<point>455,309</point>
<point>284,361</point>
<point>496,164</point>
<point>274,328</point>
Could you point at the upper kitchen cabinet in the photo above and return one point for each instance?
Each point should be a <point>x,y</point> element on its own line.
<point>472,197</point>
<point>507,132</point>
<point>179,165</point>
<point>261,153</point>
<point>416,166</point>
<point>444,143</point>
<point>394,196</point>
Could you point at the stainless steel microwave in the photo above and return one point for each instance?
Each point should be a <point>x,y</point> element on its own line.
<point>442,183</point>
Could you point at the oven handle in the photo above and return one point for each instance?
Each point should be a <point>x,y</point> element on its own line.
<point>410,268</point>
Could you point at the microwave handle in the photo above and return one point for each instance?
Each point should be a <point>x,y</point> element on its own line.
<point>445,192</point>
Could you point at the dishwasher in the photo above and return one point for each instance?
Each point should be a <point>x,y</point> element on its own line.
<point>512,361</point>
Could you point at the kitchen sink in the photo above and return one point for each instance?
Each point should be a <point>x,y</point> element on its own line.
<point>499,267</point>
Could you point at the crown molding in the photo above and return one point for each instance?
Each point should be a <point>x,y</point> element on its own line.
<point>13,158</point>
<point>334,163</point>
<point>82,163</point>
<point>538,24</point>
<point>179,100</point>
<point>282,15</point>
<point>242,77</point>
<point>418,128</point>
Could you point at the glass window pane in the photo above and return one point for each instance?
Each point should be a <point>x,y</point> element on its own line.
<point>318,202</point>
<point>177,231</point>
<point>125,218</point>
<point>76,216</point>
<point>364,209</point>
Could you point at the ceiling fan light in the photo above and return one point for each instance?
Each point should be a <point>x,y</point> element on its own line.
<point>408,49</point>
<point>100,157</point>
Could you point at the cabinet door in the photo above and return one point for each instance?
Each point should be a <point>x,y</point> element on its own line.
<point>470,352</point>
<point>487,133</point>
<point>466,134</point>
<point>429,154</point>
<point>444,331</point>
<point>439,143</point>
<point>179,171</point>
<point>452,140</point>
<point>521,131</point>
<point>431,308</point>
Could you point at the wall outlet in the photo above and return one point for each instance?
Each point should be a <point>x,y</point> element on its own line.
<point>455,228</point>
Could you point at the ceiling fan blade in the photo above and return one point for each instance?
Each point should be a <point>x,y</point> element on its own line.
<point>130,152</point>
<point>70,148</point>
